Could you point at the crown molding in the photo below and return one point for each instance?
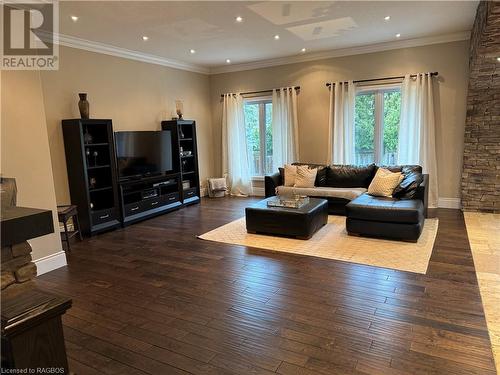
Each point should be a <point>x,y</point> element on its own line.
<point>107,49</point>
<point>396,44</point>
<point>87,45</point>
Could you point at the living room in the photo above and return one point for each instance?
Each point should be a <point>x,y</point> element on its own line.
<point>306,187</point>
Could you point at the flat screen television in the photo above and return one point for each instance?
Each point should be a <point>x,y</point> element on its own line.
<point>144,153</point>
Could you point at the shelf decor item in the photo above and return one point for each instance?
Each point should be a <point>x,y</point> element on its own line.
<point>179,108</point>
<point>294,201</point>
<point>87,137</point>
<point>83,106</point>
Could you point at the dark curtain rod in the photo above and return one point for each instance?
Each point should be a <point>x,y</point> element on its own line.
<point>261,91</point>
<point>385,78</point>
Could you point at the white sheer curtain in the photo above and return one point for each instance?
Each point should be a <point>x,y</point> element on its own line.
<point>235,162</point>
<point>341,123</point>
<point>417,134</point>
<point>285,127</point>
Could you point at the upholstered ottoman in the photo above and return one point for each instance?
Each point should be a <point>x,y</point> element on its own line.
<point>301,222</point>
<point>401,219</point>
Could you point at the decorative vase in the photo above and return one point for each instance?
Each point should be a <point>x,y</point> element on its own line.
<point>83,106</point>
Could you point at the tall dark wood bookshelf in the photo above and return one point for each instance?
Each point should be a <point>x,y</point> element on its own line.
<point>186,138</point>
<point>91,164</point>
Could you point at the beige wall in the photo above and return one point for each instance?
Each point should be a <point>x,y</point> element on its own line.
<point>450,59</point>
<point>135,95</point>
<point>25,151</point>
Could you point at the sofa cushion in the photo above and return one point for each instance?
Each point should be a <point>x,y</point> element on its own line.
<point>384,183</point>
<point>367,207</point>
<point>323,192</point>
<point>407,189</point>
<point>402,168</point>
<point>305,177</point>
<point>348,176</point>
<point>320,174</point>
<point>290,175</point>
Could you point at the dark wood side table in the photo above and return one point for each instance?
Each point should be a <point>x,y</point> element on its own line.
<point>32,333</point>
<point>64,213</point>
<point>31,328</point>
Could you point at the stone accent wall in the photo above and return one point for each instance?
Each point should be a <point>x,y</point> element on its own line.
<point>17,266</point>
<point>481,162</point>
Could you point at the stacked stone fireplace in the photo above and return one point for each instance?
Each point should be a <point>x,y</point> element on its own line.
<point>17,265</point>
<point>481,162</point>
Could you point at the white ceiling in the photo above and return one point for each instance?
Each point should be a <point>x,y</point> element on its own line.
<point>209,27</point>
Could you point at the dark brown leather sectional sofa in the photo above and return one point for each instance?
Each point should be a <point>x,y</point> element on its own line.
<point>344,187</point>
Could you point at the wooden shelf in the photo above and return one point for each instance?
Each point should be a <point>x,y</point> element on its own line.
<point>82,167</point>
<point>100,189</point>
<point>99,166</point>
<point>96,144</point>
<point>184,135</point>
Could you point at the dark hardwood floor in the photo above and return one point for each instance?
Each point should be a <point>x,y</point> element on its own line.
<point>154,299</point>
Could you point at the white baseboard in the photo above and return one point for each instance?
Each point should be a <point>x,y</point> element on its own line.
<point>449,203</point>
<point>50,263</point>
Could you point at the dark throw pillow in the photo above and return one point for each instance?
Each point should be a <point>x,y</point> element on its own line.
<point>282,174</point>
<point>320,176</point>
<point>408,187</point>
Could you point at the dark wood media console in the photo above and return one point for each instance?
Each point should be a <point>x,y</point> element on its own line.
<point>105,202</point>
<point>149,197</point>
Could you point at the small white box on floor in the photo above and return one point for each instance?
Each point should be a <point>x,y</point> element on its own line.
<point>217,187</point>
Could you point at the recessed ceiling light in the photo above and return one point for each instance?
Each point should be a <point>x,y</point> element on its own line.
<point>145,37</point>
<point>498,59</point>
<point>192,51</point>
<point>387,18</point>
<point>276,37</point>
<point>398,35</point>
<point>228,61</point>
<point>74,18</point>
<point>239,19</point>
<point>303,50</point>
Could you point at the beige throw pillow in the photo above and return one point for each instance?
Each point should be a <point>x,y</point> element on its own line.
<point>290,173</point>
<point>384,183</point>
<point>305,177</point>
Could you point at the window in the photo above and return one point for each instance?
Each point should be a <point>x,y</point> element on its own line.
<point>376,125</point>
<point>258,123</point>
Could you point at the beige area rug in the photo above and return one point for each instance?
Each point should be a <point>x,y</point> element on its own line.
<point>332,242</point>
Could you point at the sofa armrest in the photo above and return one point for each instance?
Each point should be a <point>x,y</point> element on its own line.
<point>271,183</point>
<point>423,193</point>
